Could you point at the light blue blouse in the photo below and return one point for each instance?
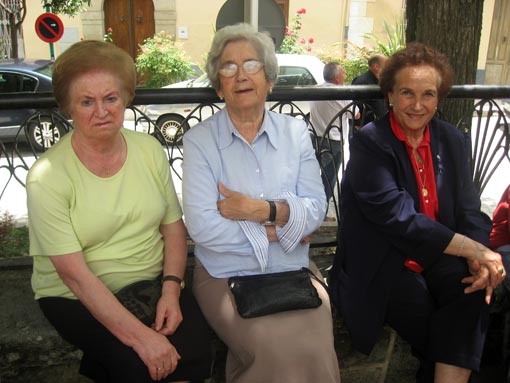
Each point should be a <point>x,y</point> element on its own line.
<point>279,164</point>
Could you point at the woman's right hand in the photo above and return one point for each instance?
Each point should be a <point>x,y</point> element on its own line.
<point>491,262</point>
<point>157,353</point>
<point>485,265</point>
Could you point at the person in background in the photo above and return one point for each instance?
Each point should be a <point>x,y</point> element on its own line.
<point>333,145</point>
<point>252,196</point>
<point>500,233</point>
<point>376,109</point>
<point>103,214</point>
<point>412,248</point>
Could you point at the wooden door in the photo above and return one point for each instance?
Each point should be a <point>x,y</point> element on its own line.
<point>284,5</point>
<point>132,21</point>
<point>497,68</point>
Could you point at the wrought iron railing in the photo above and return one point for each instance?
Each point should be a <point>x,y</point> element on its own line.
<point>486,125</point>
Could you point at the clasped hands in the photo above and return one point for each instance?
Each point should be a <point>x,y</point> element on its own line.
<point>487,272</point>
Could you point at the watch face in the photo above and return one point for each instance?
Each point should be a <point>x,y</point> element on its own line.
<point>173,278</point>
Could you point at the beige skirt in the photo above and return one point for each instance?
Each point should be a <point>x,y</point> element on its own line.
<point>293,346</point>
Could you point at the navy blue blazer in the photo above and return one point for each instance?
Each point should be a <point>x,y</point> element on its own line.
<point>381,225</point>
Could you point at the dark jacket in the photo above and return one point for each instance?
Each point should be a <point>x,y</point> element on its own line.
<point>377,107</point>
<point>380,226</point>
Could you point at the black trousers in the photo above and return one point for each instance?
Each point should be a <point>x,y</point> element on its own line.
<point>107,360</point>
<point>442,324</point>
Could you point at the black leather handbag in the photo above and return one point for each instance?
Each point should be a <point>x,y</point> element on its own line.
<point>263,294</point>
<point>141,299</point>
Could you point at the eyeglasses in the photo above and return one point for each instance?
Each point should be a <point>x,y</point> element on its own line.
<point>249,67</point>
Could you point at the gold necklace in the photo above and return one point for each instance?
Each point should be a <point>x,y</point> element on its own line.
<point>422,174</point>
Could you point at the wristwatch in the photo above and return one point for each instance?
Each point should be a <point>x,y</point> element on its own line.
<point>173,278</point>
<point>272,213</point>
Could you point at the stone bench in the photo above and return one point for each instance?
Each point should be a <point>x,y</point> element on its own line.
<point>32,351</point>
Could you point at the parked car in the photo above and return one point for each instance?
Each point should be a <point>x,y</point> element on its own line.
<point>294,70</point>
<point>45,127</point>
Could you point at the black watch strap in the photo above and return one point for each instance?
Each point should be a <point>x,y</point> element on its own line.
<point>272,211</point>
<point>173,278</point>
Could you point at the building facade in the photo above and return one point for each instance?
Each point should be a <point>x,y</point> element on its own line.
<point>329,22</point>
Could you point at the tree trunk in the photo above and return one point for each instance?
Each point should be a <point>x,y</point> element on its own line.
<point>14,35</point>
<point>453,27</point>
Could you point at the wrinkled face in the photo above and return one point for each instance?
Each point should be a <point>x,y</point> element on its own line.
<point>96,105</point>
<point>243,91</point>
<point>415,97</point>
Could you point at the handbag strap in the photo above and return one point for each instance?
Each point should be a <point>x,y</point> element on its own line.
<point>312,274</point>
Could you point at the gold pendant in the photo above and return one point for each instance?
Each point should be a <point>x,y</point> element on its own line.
<point>425,192</point>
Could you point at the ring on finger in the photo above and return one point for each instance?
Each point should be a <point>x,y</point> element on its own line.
<point>501,271</point>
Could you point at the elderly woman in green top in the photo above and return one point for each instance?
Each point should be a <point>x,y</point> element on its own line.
<point>103,214</point>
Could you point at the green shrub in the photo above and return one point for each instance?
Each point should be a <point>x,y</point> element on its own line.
<point>395,38</point>
<point>162,62</point>
<point>354,61</point>
<point>13,240</point>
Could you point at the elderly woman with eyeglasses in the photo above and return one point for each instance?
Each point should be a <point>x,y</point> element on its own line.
<point>252,195</point>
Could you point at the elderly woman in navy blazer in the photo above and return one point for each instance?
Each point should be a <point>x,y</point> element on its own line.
<point>412,246</point>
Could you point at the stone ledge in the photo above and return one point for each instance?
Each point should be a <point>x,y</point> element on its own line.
<point>32,351</point>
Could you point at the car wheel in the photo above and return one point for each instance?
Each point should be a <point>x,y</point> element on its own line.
<point>44,132</point>
<point>172,127</point>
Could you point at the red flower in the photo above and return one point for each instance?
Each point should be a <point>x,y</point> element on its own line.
<point>309,48</point>
<point>301,11</point>
<point>311,40</point>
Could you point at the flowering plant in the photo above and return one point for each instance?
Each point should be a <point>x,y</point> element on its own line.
<point>291,42</point>
<point>108,37</point>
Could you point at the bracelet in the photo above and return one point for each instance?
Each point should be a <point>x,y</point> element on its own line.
<point>461,245</point>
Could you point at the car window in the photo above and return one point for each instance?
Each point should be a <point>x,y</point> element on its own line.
<point>293,75</point>
<point>16,82</point>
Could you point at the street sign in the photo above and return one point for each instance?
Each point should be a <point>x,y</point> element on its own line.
<point>49,27</point>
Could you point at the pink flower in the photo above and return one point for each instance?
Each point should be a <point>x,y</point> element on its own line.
<point>288,32</point>
<point>302,41</point>
<point>301,11</point>
<point>311,40</point>
<point>309,49</point>
<point>109,30</point>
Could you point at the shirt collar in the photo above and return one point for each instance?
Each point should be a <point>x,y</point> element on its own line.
<point>226,136</point>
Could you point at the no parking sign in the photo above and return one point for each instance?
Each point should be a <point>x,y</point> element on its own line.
<point>49,27</point>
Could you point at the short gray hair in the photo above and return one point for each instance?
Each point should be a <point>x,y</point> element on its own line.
<point>262,42</point>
